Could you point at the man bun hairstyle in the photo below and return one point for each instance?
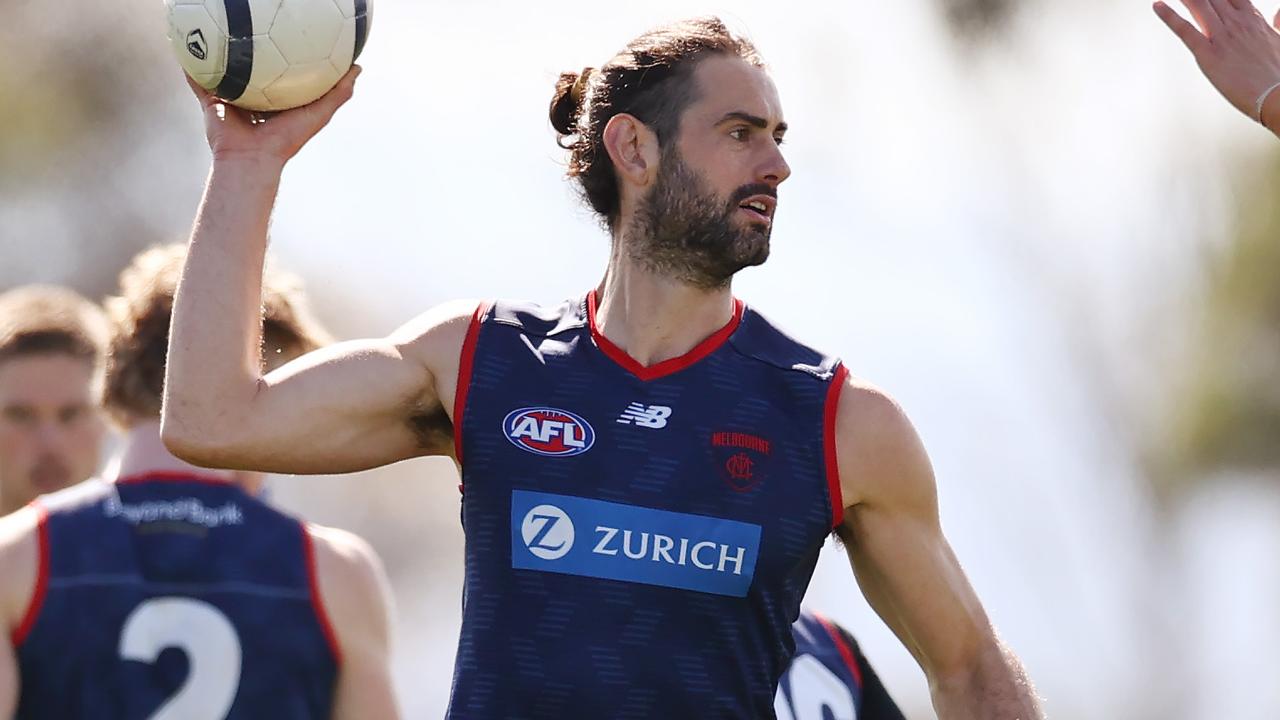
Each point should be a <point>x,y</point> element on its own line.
<point>650,79</point>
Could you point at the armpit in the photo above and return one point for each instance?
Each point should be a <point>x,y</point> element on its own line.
<point>433,430</point>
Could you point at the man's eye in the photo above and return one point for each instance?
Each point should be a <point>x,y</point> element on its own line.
<point>780,141</point>
<point>19,415</point>
<point>738,133</point>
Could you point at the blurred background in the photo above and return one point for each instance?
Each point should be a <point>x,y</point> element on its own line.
<point>1032,222</point>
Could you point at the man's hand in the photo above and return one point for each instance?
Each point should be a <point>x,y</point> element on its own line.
<point>276,136</point>
<point>1236,49</point>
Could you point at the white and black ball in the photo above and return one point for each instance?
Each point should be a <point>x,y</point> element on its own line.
<point>268,55</point>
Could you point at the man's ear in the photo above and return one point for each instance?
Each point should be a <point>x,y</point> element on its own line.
<point>633,148</point>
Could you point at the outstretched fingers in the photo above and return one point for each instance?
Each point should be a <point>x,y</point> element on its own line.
<point>1189,34</point>
<point>1205,15</point>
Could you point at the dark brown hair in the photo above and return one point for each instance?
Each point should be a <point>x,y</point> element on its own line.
<point>650,79</point>
<point>39,319</point>
<point>139,319</point>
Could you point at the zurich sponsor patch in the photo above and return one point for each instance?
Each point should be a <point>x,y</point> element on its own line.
<point>548,431</point>
<point>593,538</point>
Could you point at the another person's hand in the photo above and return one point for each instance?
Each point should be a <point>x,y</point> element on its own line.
<point>1237,50</point>
<point>233,131</point>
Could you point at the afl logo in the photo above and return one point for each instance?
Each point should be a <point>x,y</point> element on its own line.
<point>548,431</point>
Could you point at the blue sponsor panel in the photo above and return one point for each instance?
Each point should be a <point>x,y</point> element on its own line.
<point>593,538</point>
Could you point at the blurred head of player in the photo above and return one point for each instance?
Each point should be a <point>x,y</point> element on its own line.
<point>133,386</point>
<point>51,433</point>
<point>671,143</point>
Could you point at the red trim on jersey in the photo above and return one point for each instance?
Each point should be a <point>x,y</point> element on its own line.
<point>317,602</point>
<point>846,652</point>
<point>666,367</point>
<point>465,363</point>
<point>175,476</point>
<point>42,577</point>
<point>829,444</point>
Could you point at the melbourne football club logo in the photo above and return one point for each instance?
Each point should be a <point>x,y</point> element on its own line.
<point>547,532</point>
<point>742,458</point>
<point>548,431</point>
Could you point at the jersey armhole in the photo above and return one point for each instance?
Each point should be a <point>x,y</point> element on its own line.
<point>829,444</point>
<point>317,600</point>
<point>42,578</point>
<point>465,364</point>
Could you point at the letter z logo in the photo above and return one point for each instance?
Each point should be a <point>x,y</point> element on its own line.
<point>652,416</point>
<point>547,532</point>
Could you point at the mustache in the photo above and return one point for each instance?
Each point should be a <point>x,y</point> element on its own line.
<point>747,191</point>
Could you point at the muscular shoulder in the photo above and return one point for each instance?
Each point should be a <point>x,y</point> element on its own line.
<point>437,331</point>
<point>434,339</point>
<point>19,563</point>
<point>880,457</point>
<point>353,584</point>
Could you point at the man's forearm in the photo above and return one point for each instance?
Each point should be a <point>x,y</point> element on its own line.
<point>214,343</point>
<point>995,688</point>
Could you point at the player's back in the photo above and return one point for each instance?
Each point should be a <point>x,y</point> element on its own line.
<point>829,677</point>
<point>173,597</point>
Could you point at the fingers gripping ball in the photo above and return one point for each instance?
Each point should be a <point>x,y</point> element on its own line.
<point>268,54</point>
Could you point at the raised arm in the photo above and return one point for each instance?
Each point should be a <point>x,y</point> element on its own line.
<point>357,598</point>
<point>348,407</point>
<point>1236,50</point>
<point>907,569</point>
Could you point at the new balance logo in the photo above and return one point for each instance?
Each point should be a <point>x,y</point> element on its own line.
<point>651,416</point>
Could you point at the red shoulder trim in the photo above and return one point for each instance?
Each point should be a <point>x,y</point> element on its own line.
<point>42,578</point>
<point>465,365</point>
<point>317,601</point>
<point>174,476</point>
<point>666,367</point>
<point>842,645</point>
<point>829,444</point>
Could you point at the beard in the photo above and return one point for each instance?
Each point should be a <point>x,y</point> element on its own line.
<point>684,231</point>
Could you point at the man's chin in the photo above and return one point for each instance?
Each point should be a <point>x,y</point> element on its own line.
<point>755,250</point>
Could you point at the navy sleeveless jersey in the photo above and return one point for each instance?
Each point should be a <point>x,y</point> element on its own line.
<point>172,597</point>
<point>638,539</point>
<point>830,679</point>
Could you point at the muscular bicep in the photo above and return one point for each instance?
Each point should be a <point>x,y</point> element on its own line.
<point>350,406</point>
<point>894,540</point>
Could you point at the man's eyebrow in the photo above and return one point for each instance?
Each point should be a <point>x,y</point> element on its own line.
<point>753,120</point>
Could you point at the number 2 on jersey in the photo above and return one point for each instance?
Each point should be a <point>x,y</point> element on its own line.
<point>210,642</point>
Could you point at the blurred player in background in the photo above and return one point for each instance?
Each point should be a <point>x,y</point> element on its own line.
<point>1237,50</point>
<point>650,469</point>
<point>168,591</point>
<point>51,432</point>
<point>829,678</point>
